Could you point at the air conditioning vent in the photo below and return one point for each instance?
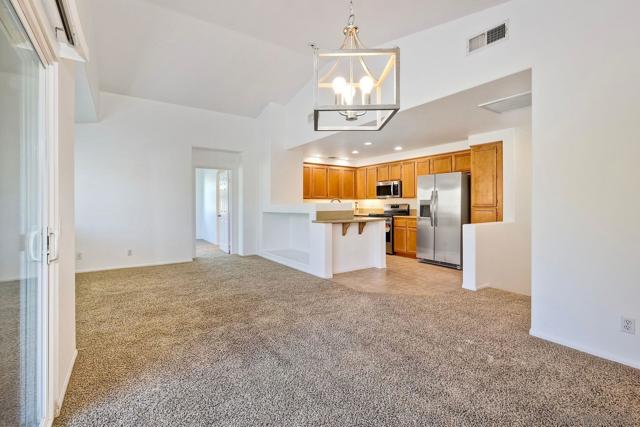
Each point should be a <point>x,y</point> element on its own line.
<point>488,37</point>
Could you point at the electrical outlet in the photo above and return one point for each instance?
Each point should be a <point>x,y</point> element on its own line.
<point>129,252</point>
<point>79,256</point>
<point>628,326</point>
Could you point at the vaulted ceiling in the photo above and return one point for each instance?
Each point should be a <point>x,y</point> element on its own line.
<point>235,56</point>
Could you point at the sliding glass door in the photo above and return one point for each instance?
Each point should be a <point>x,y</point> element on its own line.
<point>23,278</point>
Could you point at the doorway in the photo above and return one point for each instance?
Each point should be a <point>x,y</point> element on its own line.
<point>213,219</point>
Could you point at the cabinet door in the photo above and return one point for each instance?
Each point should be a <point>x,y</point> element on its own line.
<point>400,239</point>
<point>409,180</point>
<point>383,172</point>
<point>348,184</point>
<point>479,215</point>
<point>306,182</point>
<point>361,183</point>
<point>333,183</point>
<point>423,167</point>
<point>411,241</point>
<point>318,182</point>
<point>441,164</point>
<point>372,180</point>
<point>395,171</point>
<point>462,162</point>
<point>486,182</point>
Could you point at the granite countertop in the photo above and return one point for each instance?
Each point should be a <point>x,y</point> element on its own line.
<point>348,221</point>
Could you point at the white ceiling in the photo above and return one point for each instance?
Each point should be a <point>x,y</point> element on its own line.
<point>236,56</point>
<point>449,119</point>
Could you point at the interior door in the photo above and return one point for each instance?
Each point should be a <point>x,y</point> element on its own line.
<point>425,238</point>
<point>23,266</point>
<point>448,218</point>
<point>223,212</point>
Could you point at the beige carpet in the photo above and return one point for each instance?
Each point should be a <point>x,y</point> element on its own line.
<point>230,341</point>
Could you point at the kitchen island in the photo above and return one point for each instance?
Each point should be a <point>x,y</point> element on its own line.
<point>341,242</point>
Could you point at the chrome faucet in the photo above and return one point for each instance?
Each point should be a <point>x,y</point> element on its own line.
<point>335,200</point>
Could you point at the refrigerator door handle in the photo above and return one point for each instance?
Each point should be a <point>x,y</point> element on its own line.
<point>434,214</point>
<point>432,206</point>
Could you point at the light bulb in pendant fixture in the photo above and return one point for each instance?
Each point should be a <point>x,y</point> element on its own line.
<point>366,86</point>
<point>339,83</point>
<point>348,94</point>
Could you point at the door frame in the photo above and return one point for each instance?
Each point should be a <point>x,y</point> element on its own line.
<point>232,212</point>
<point>33,19</point>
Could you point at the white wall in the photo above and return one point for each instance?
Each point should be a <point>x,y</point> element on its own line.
<point>498,255</point>
<point>584,149</point>
<point>135,179</point>
<point>207,205</point>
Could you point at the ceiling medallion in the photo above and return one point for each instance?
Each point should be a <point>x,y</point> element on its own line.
<point>355,88</point>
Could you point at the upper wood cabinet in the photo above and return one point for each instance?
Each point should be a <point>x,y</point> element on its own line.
<point>441,164</point>
<point>361,183</point>
<point>462,162</point>
<point>348,184</point>
<point>333,182</point>
<point>306,182</point>
<point>395,171</point>
<point>342,182</point>
<point>382,173</point>
<point>423,167</point>
<point>318,182</point>
<point>409,179</point>
<point>486,182</point>
<point>372,180</point>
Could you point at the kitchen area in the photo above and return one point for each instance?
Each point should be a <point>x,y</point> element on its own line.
<point>424,201</point>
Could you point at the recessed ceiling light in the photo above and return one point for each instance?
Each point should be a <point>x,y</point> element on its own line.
<point>398,148</point>
<point>355,152</point>
<point>368,143</point>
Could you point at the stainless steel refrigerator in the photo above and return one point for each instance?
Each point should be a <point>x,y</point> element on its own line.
<point>443,206</point>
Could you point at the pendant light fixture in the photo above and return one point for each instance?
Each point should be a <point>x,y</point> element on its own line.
<point>355,88</point>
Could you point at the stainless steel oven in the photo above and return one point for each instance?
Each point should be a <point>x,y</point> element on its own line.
<point>388,189</point>
<point>389,212</point>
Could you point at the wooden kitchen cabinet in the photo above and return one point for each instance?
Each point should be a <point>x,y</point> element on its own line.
<point>333,182</point>
<point>409,180</point>
<point>441,164</point>
<point>486,183</point>
<point>306,182</point>
<point>400,239</point>
<point>318,182</point>
<point>395,171</point>
<point>462,162</point>
<point>347,184</point>
<point>411,241</point>
<point>382,172</point>
<point>361,183</point>
<point>423,167</point>
<point>372,180</point>
<point>404,236</point>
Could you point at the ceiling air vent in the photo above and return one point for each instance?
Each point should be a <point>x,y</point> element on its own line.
<point>488,37</point>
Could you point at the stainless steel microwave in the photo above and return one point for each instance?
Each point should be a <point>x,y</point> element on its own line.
<point>388,189</point>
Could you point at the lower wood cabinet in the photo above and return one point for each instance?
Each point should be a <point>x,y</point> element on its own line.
<point>404,236</point>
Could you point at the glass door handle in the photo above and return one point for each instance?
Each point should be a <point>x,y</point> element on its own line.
<point>53,251</point>
<point>34,244</point>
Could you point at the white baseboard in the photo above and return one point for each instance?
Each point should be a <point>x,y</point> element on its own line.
<point>63,391</point>
<point>122,267</point>
<point>585,349</point>
<point>477,288</point>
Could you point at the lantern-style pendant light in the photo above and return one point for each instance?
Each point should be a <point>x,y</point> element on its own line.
<point>355,88</point>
